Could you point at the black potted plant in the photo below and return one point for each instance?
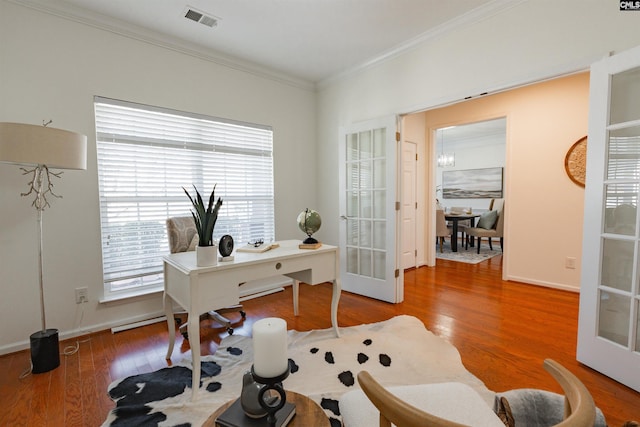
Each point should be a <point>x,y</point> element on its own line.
<point>205,218</point>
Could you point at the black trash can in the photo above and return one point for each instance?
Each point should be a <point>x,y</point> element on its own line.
<point>45,352</point>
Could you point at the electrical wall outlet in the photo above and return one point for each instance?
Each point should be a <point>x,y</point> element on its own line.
<point>570,262</point>
<point>82,295</point>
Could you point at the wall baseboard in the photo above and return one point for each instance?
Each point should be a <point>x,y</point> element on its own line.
<point>553,285</point>
<point>248,290</point>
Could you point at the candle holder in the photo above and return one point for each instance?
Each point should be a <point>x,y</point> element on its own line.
<point>268,404</point>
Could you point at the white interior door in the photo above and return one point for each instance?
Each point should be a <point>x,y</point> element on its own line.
<point>609,324</point>
<point>369,260</point>
<point>409,208</point>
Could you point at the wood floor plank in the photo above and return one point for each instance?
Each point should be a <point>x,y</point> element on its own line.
<point>503,331</point>
<point>56,397</point>
<point>73,392</point>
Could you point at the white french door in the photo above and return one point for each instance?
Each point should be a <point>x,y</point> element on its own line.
<point>409,209</point>
<point>609,324</point>
<point>369,260</point>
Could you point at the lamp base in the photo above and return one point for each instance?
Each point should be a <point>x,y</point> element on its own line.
<point>45,351</point>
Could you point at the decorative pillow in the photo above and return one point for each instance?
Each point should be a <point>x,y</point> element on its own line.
<point>488,220</point>
<point>534,408</point>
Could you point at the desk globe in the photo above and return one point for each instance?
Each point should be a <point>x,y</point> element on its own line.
<point>309,222</point>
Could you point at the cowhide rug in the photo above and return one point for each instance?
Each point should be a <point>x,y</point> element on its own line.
<point>397,351</point>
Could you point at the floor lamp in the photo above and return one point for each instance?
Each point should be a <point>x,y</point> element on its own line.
<point>42,148</point>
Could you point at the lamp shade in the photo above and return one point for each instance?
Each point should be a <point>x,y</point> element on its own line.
<point>39,145</point>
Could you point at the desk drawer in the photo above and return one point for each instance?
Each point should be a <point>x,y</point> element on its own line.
<point>211,292</point>
<point>314,269</point>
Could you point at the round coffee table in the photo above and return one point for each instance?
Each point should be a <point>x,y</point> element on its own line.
<point>308,413</point>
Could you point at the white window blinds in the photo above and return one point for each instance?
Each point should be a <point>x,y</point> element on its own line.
<point>146,155</point>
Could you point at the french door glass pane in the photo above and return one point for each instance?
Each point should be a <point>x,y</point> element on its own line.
<point>365,204</point>
<point>352,204</point>
<point>365,234</point>
<point>623,153</point>
<point>625,96</point>
<point>352,148</point>
<point>379,234</point>
<point>365,262</point>
<point>379,142</point>
<point>365,145</point>
<point>620,208</point>
<point>352,232</point>
<point>379,204</point>
<point>614,317</point>
<point>366,174</point>
<point>379,265</point>
<point>352,174</point>
<point>352,260</point>
<point>617,264</point>
<point>379,173</point>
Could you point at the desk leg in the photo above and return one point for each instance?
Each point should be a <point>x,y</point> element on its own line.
<point>296,294</point>
<point>335,299</point>
<point>193,328</point>
<point>168,312</point>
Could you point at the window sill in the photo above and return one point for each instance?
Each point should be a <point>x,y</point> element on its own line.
<point>132,295</point>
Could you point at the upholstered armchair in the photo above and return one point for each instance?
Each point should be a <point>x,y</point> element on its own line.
<point>456,404</point>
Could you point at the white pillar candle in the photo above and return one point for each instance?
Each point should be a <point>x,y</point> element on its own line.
<point>270,347</point>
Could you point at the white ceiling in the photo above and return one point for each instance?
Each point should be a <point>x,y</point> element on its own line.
<point>309,40</point>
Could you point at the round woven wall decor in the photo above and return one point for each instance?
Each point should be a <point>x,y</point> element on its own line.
<point>575,162</point>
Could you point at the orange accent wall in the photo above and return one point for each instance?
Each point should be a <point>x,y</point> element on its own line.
<point>544,208</point>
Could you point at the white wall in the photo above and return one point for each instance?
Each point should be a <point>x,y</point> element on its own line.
<point>50,68</point>
<point>533,40</point>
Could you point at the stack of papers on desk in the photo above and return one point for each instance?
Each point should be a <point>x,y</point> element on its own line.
<point>258,249</point>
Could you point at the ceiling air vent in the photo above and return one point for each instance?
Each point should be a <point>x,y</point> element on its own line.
<point>201,17</point>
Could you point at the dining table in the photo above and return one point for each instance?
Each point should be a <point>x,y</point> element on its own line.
<point>455,218</point>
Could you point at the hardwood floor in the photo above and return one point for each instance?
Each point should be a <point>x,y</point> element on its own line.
<point>503,330</point>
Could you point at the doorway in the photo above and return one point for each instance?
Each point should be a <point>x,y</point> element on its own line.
<point>543,120</point>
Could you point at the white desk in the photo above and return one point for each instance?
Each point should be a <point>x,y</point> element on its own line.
<point>201,289</point>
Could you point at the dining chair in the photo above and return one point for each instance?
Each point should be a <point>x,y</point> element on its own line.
<point>442,230</point>
<point>183,237</point>
<point>490,225</point>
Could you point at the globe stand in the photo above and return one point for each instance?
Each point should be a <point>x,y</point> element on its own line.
<point>309,240</point>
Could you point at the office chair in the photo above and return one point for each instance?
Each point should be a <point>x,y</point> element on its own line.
<point>182,235</point>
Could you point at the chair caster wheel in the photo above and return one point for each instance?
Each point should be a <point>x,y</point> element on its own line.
<point>230,331</point>
<point>243,314</point>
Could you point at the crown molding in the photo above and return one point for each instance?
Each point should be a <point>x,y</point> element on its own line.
<point>478,14</point>
<point>114,26</point>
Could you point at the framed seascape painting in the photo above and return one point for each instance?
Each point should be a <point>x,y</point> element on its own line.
<point>472,184</point>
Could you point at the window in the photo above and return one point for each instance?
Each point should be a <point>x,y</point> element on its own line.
<point>146,155</point>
